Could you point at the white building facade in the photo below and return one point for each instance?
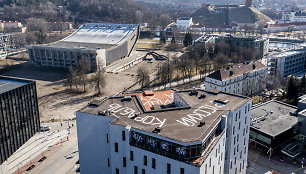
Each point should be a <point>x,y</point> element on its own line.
<point>288,62</point>
<point>289,17</point>
<point>243,79</point>
<point>113,144</point>
<point>184,22</point>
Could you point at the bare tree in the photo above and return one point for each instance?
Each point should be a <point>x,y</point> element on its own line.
<point>71,77</point>
<point>221,61</point>
<point>164,20</point>
<point>161,74</point>
<point>143,77</point>
<point>182,66</point>
<point>203,66</point>
<point>83,67</point>
<point>98,81</point>
<point>39,27</point>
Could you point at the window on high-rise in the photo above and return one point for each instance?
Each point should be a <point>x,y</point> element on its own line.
<point>124,162</point>
<point>182,171</point>
<point>135,170</point>
<point>145,160</point>
<point>131,155</point>
<point>116,147</point>
<point>153,163</point>
<point>168,168</point>
<point>123,135</point>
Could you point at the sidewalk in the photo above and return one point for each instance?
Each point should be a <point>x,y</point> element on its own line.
<point>35,148</point>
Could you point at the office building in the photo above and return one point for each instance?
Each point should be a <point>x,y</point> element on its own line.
<point>287,62</point>
<point>172,132</point>
<point>258,44</point>
<point>273,123</point>
<point>19,116</point>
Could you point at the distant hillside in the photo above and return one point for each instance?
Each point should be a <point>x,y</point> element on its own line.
<point>240,14</point>
<point>267,3</point>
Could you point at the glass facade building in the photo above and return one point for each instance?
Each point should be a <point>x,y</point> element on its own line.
<point>19,114</point>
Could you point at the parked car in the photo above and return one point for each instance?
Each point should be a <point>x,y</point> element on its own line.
<point>45,128</point>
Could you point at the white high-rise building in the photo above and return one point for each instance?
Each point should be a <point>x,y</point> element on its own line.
<point>243,79</point>
<point>172,132</point>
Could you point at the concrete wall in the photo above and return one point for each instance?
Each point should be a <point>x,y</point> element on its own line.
<point>94,150</point>
<point>116,53</point>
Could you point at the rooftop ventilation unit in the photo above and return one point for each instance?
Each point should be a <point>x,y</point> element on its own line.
<point>157,130</point>
<point>94,103</point>
<point>105,113</point>
<point>221,101</point>
<point>148,93</point>
<point>202,96</point>
<point>126,99</point>
<point>202,123</point>
<point>193,93</point>
<point>136,115</point>
<point>102,113</point>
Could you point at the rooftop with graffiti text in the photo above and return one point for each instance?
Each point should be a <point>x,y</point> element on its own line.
<point>184,116</point>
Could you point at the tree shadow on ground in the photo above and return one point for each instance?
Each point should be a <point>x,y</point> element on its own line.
<point>74,101</point>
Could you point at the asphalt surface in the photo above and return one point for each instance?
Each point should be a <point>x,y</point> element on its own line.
<point>62,160</point>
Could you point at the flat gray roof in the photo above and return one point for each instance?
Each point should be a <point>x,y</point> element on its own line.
<point>288,53</point>
<point>177,123</point>
<point>95,36</point>
<point>273,117</point>
<point>7,84</point>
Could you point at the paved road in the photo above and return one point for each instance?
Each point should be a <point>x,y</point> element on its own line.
<point>61,160</point>
<point>256,168</point>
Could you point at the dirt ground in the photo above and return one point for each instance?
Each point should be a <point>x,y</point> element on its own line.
<point>55,101</point>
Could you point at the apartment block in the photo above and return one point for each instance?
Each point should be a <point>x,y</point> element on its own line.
<point>244,79</point>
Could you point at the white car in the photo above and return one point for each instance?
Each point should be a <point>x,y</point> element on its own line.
<point>45,128</point>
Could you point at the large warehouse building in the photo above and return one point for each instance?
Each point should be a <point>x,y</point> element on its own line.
<point>169,132</point>
<point>102,44</point>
